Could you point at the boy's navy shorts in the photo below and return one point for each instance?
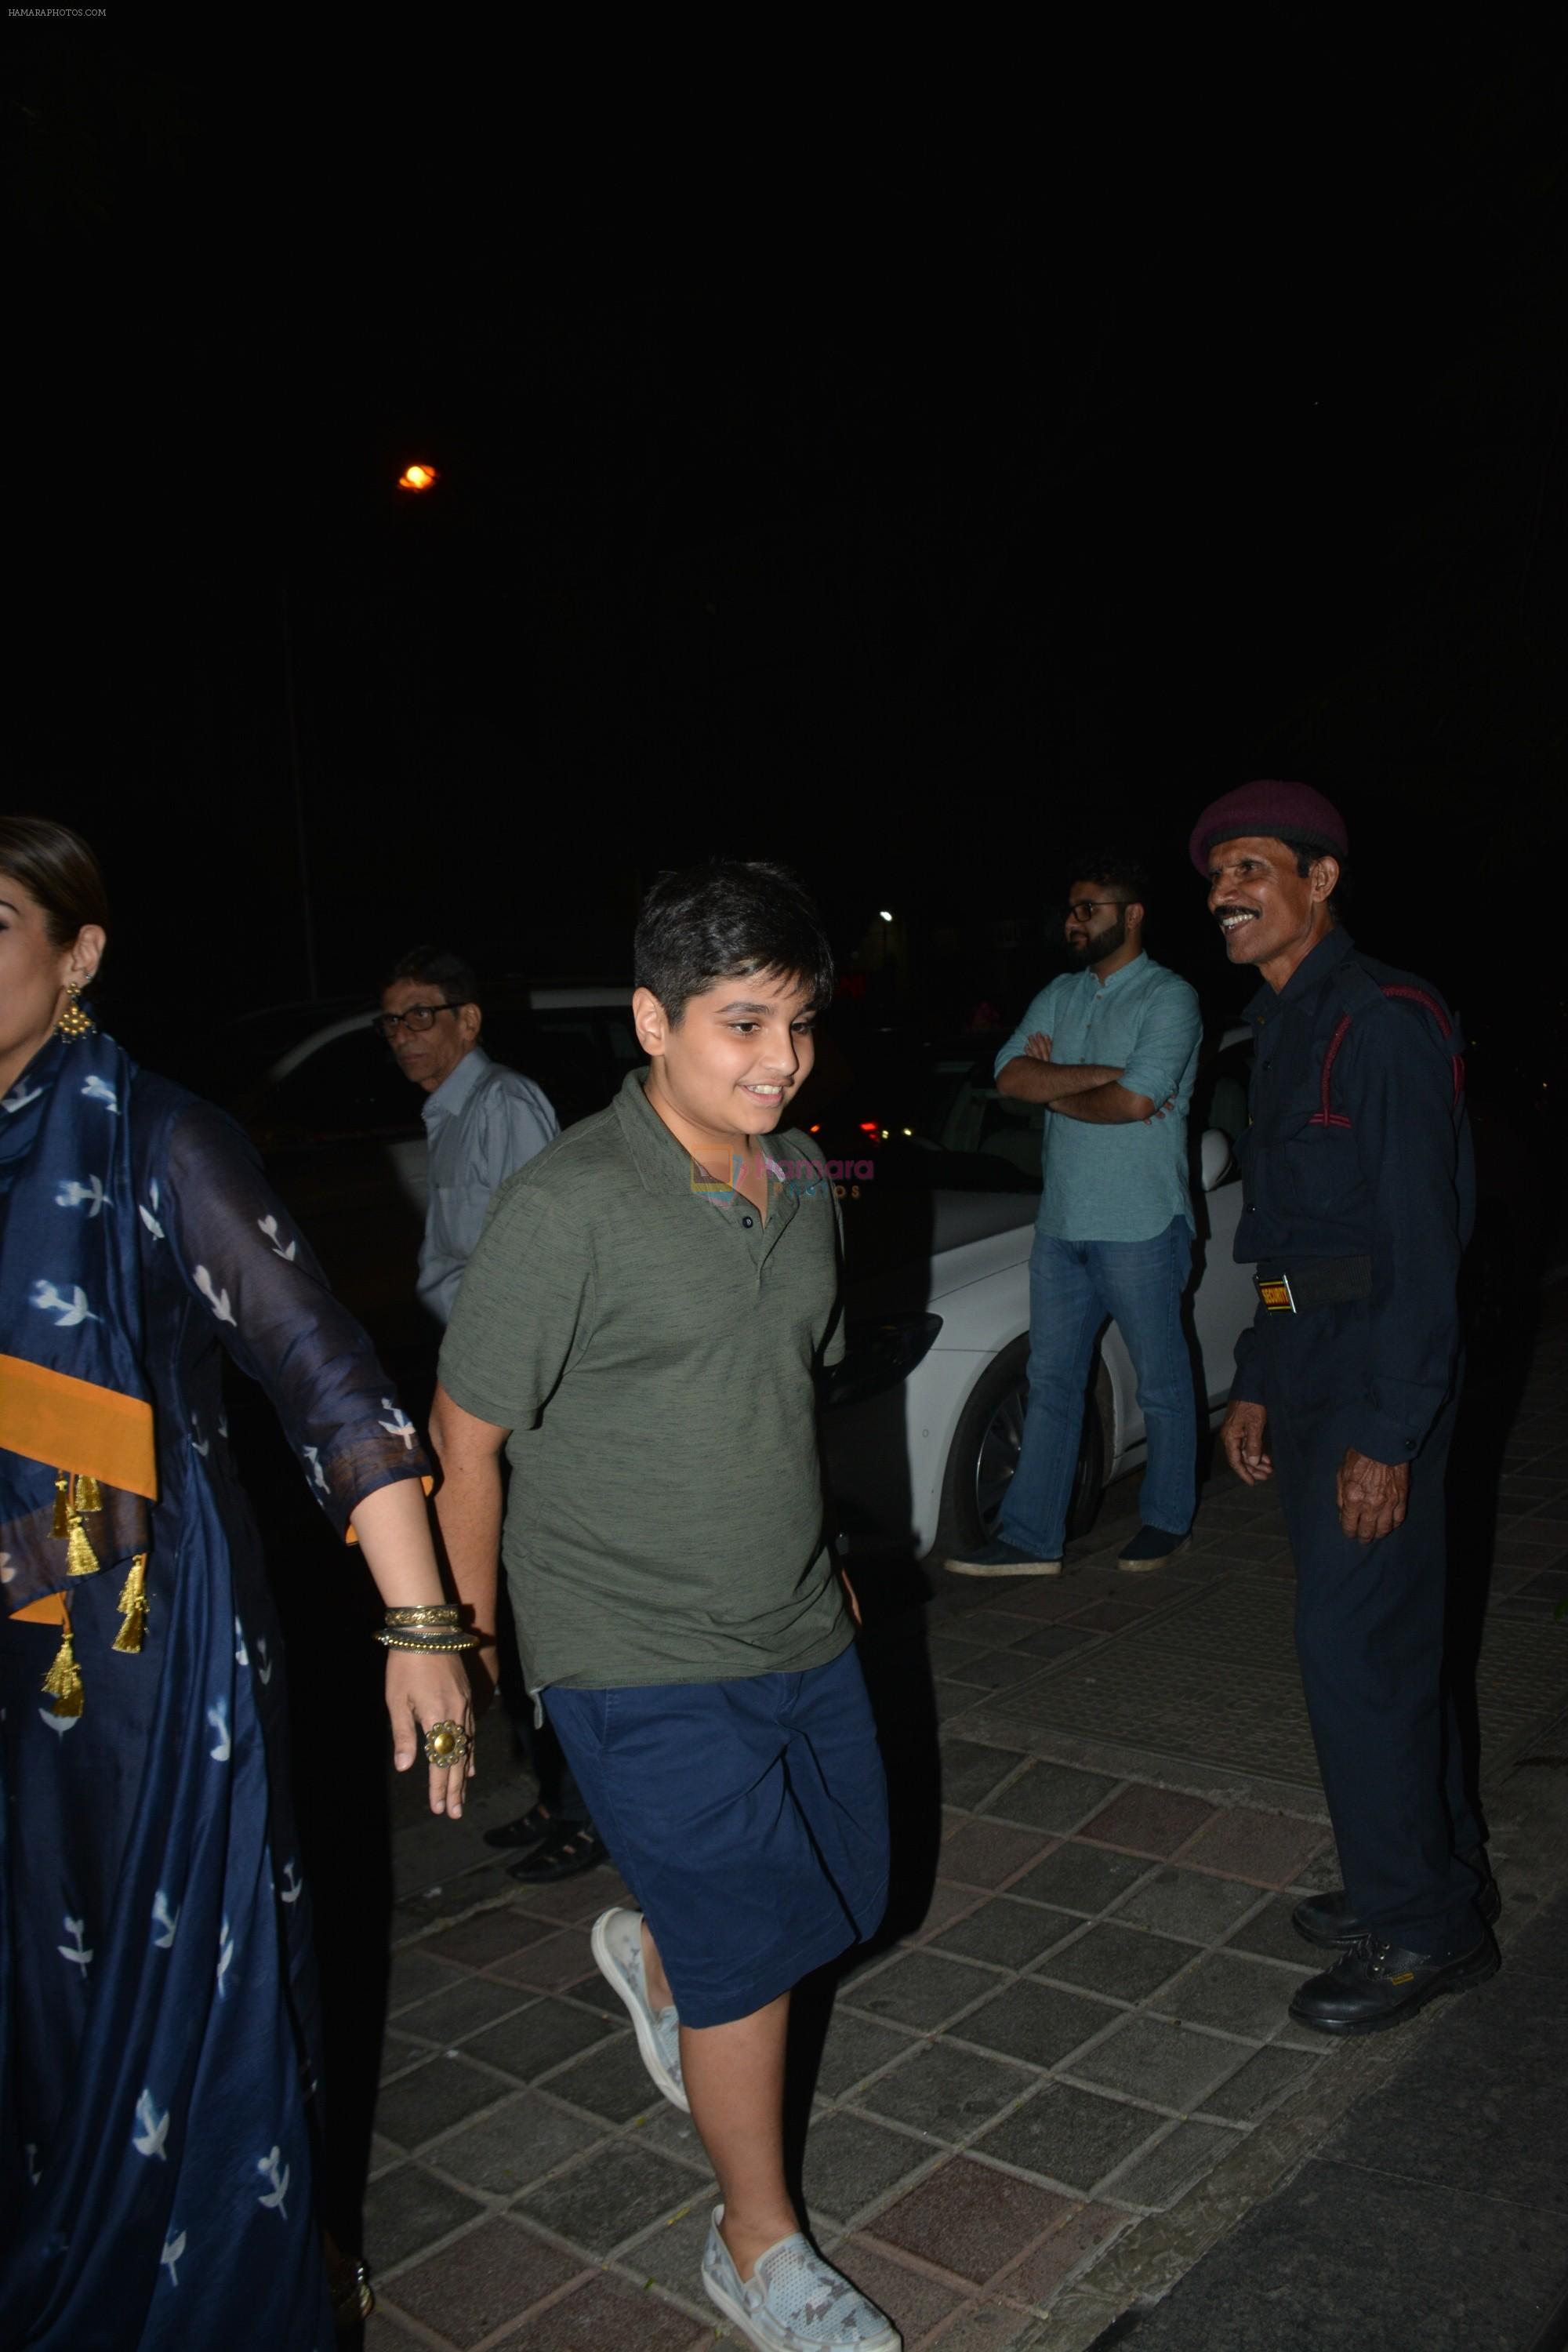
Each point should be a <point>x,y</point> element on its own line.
<point>748,1819</point>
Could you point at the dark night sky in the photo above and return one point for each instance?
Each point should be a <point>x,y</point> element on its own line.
<point>908,512</point>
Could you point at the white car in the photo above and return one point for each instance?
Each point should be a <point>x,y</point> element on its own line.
<point>925,1415</point>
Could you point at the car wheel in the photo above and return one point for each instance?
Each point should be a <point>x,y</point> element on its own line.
<point>985,1448</point>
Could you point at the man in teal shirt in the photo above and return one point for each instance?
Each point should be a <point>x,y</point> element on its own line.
<point>1111,1050</point>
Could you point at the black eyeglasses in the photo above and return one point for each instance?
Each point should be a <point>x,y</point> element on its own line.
<point>1084,907</point>
<point>417,1017</point>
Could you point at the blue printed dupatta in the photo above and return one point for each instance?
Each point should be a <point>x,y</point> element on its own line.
<point>76,1461</point>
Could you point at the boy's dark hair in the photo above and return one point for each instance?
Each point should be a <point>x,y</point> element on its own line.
<point>728,920</point>
<point>1112,869</point>
<point>438,968</point>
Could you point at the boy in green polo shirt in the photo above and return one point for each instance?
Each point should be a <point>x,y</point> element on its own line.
<point>640,1328</point>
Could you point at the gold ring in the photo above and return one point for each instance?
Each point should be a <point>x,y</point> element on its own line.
<point>445,1744</point>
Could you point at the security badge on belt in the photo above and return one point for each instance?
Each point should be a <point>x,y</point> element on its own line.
<point>1274,1289</point>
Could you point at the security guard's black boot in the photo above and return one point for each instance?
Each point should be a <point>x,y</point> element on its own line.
<point>1375,1985</point>
<point>1327,1921</point>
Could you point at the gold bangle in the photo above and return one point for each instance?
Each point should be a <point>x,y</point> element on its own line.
<point>391,1640</point>
<point>444,1614</point>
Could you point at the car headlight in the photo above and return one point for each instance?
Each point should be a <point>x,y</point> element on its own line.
<point>877,1356</point>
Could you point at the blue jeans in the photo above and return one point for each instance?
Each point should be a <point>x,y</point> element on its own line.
<point>1073,1287</point>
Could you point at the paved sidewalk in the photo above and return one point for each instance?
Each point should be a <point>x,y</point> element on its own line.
<point>1072,2072</point>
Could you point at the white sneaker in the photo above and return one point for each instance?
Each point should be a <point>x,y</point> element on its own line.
<point>617,1945</point>
<point>795,2300</point>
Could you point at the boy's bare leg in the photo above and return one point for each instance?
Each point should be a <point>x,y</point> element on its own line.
<point>734,2078</point>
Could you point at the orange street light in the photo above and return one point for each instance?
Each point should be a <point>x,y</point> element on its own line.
<point>419,477</point>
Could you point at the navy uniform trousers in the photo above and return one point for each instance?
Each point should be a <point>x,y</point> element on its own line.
<point>1369,1636</point>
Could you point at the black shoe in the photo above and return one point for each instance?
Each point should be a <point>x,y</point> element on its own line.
<point>529,1830</point>
<point>1327,1921</point>
<point>1151,1548</point>
<point>565,1852</point>
<point>1375,1985</point>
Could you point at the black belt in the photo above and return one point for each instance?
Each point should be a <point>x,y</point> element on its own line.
<point>1315,1282</point>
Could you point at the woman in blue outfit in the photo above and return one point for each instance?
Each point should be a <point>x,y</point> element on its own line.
<point>157,2047</point>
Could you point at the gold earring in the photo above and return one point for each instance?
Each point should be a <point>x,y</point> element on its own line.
<point>74,1021</point>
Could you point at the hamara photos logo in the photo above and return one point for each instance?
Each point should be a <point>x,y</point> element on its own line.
<point>803,1178</point>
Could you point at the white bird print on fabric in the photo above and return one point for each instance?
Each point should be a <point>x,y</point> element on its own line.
<point>72,1195</point>
<point>225,1956</point>
<point>165,1918</point>
<point>34,2174</point>
<point>279,2175</point>
<point>263,1663</point>
<point>60,1723</point>
<point>147,1212</point>
<point>241,1656</point>
<point>223,1427</point>
<point>217,1716</point>
<point>78,1950</point>
<point>154,2129</point>
<point>97,1089</point>
<point>20,1097</point>
<point>268,1225</point>
<point>312,1457</point>
<point>293,1884</point>
<point>7,1572</point>
<point>200,1444</point>
<point>174,2249</point>
<point>216,1299</point>
<point>74,1310</point>
<point>399,1425</point>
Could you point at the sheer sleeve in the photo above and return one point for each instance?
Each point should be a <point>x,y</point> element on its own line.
<point>252,1272</point>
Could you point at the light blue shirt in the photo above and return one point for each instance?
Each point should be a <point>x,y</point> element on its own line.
<point>480,1124</point>
<point>1121,1183</point>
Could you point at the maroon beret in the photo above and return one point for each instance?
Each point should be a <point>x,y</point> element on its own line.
<point>1293,812</point>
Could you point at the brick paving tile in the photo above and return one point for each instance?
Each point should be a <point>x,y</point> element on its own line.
<point>1120,1963</point>
<point>946,1903</point>
<point>1080,1878</point>
<point>984,1852</point>
<point>603,2314</point>
<point>1266,2078</point>
<point>383,2333</point>
<point>969,1770</point>
<point>1237,1996</point>
<point>947,2090</point>
<point>1055,1797</point>
<point>1071,2135</point>
<point>513,2144</point>
<point>850,2162</point>
<point>462,2008</point>
<point>1268,1847</point>
<point>489,1936</point>
<point>432,2099</point>
<point>415,1976</point>
<point>576,1900</point>
<point>1008,1935</point>
<point>608,2197</point>
<point>955,1698</point>
<point>406,2211</point>
<point>611,2081</point>
<point>994,1627</point>
<point>970,2219</point>
<point>1048,1643</point>
<point>1149,1820</point>
<point>672,2255</point>
<point>1187,1903</point>
<point>479,2282</point>
<point>1039,2274</point>
<point>1150,2058</point>
<point>982,2327</point>
<point>1159,2178</point>
<point>1271,1936</point>
<point>998,1670</point>
<point>912,2302</point>
<point>538,2038</point>
<point>1107,1616</point>
<point>921,1988</point>
<point>855,2047</point>
<point>1037,2021</point>
<point>560,1959</point>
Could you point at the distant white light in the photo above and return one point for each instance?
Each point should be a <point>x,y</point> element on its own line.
<point>884,914</point>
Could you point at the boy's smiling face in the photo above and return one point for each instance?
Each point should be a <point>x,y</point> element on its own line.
<point>740,1052</point>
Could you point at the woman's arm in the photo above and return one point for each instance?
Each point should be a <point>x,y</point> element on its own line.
<point>393,1526</point>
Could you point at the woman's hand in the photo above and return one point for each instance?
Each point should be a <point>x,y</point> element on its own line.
<point>424,1687</point>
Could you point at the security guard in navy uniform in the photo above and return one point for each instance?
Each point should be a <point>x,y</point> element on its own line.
<point>1359,1200</point>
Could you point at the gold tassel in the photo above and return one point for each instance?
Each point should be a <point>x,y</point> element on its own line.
<point>133,1606</point>
<point>89,1494</point>
<point>81,1558</point>
<point>62,1505</point>
<point>63,1681</point>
